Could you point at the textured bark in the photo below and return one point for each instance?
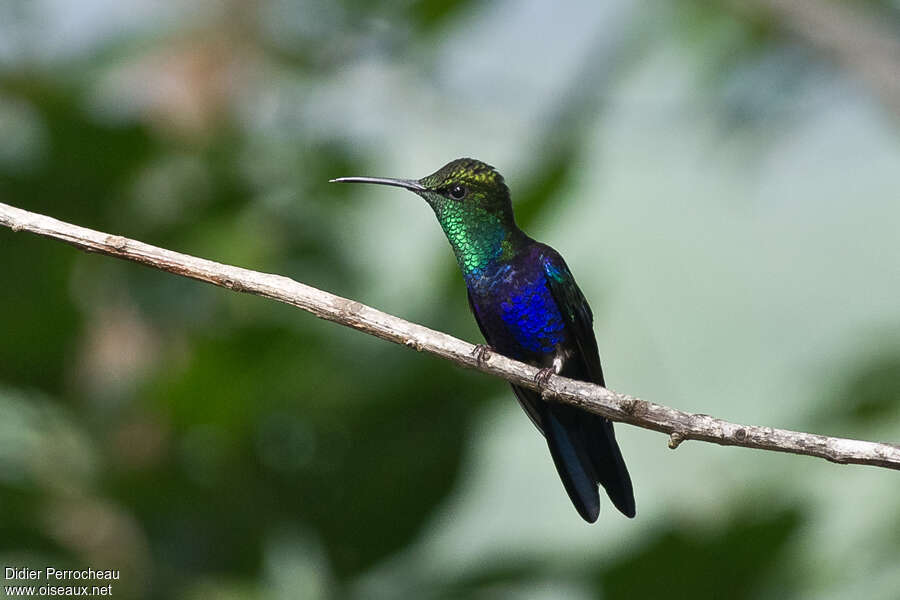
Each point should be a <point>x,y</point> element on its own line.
<point>679,425</point>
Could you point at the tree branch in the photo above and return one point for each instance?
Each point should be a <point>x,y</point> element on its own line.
<point>679,425</point>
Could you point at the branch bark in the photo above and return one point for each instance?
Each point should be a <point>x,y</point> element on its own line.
<point>678,424</point>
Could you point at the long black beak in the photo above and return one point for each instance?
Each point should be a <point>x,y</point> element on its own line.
<point>409,184</point>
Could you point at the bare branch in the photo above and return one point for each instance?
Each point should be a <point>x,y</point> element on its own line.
<point>679,425</point>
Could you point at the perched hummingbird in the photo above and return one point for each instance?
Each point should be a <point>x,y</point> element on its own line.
<point>528,307</point>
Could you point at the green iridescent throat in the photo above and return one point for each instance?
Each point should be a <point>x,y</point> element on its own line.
<point>478,238</point>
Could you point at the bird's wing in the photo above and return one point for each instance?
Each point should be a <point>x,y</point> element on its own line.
<point>592,434</point>
<point>575,312</point>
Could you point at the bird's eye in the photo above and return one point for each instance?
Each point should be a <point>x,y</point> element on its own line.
<point>458,192</point>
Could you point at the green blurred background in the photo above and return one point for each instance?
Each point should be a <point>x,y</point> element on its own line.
<point>722,177</point>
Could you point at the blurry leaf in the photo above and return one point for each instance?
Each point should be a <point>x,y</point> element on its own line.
<point>41,446</point>
<point>84,170</point>
<point>18,527</point>
<point>750,73</point>
<point>869,394</point>
<point>544,187</point>
<point>44,455</point>
<point>741,559</point>
<point>431,14</point>
<point>737,560</point>
<point>40,322</point>
<point>274,426</point>
<point>573,120</point>
<point>88,162</point>
<point>492,581</point>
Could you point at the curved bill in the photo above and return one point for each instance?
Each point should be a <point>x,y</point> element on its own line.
<point>409,184</point>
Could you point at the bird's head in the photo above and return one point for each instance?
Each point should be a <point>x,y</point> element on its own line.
<point>463,186</point>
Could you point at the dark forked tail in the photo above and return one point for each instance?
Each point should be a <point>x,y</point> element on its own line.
<point>609,465</point>
<point>585,452</point>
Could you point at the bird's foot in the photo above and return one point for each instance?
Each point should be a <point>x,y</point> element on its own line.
<point>543,376</point>
<point>481,352</point>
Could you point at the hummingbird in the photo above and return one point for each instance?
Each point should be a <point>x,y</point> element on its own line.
<point>528,307</point>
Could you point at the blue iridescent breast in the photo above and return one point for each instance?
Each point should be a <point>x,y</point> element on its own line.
<point>531,315</point>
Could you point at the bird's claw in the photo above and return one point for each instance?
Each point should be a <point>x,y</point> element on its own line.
<point>543,376</point>
<point>481,352</point>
